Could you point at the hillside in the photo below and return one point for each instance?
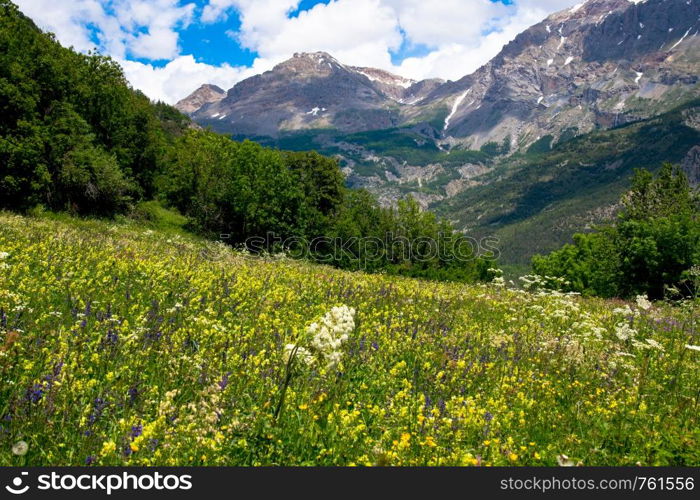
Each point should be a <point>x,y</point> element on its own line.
<point>121,345</point>
<point>73,134</point>
<point>483,151</point>
<point>553,193</point>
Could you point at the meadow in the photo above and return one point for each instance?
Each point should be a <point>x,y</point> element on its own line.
<point>124,345</point>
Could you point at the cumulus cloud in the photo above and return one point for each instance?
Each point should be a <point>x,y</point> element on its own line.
<point>180,76</point>
<point>145,29</point>
<point>459,35</point>
<point>69,24</point>
<point>160,19</point>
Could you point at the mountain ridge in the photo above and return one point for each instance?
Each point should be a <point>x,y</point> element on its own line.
<point>550,77</point>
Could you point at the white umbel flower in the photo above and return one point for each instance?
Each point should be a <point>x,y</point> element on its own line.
<point>302,355</point>
<point>331,332</point>
<point>623,331</point>
<point>20,448</point>
<point>643,302</point>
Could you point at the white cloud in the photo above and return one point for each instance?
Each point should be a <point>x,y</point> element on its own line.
<point>360,32</point>
<point>180,76</point>
<point>446,22</point>
<point>160,18</point>
<point>457,56</point>
<point>68,22</point>
<point>146,29</point>
<point>461,34</point>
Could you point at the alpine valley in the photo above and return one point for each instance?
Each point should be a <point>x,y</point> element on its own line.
<point>534,146</point>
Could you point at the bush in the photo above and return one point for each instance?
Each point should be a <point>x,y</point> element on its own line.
<point>649,250</point>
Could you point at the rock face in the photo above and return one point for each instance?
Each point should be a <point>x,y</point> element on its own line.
<point>691,166</point>
<point>312,91</point>
<point>206,94</point>
<point>600,64</point>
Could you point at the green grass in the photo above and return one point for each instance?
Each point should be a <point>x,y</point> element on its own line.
<point>125,345</point>
<point>157,217</point>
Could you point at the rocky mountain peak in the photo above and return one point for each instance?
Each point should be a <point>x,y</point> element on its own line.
<point>206,94</point>
<point>310,64</point>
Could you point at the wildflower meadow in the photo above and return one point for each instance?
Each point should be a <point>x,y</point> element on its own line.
<point>126,346</point>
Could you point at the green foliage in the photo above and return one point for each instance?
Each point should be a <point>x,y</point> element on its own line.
<point>322,186</point>
<point>651,248</point>
<point>153,215</point>
<point>406,241</point>
<point>542,145</point>
<point>496,149</point>
<point>269,200</point>
<point>240,189</point>
<point>73,135</point>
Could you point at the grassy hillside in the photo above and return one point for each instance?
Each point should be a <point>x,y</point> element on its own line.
<point>124,345</point>
<point>535,202</point>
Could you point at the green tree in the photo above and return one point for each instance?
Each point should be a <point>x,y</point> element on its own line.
<point>649,249</point>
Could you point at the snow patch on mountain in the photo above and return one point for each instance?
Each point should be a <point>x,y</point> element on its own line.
<point>681,40</point>
<point>455,107</point>
<point>386,78</point>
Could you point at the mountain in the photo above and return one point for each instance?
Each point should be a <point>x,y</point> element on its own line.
<point>599,64</point>
<point>309,91</point>
<point>579,77</point>
<point>206,94</point>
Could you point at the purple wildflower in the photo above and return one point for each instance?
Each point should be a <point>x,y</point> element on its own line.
<point>136,431</point>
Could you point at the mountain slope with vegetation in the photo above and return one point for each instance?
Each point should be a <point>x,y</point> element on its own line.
<point>552,193</point>
<point>121,345</point>
<point>652,248</point>
<point>73,135</point>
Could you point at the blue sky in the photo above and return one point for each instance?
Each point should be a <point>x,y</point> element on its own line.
<point>170,47</point>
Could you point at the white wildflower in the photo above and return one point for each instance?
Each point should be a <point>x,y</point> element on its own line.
<point>623,331</point>
<point>4,255</point>
<point>643,302</point>
<point>302,355</point>
<point>329,334</point>
<point>655,345</point>
<point>20,448</point>
<point>640,345</point>
<point>625,311</point>
<point>564,461</point>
